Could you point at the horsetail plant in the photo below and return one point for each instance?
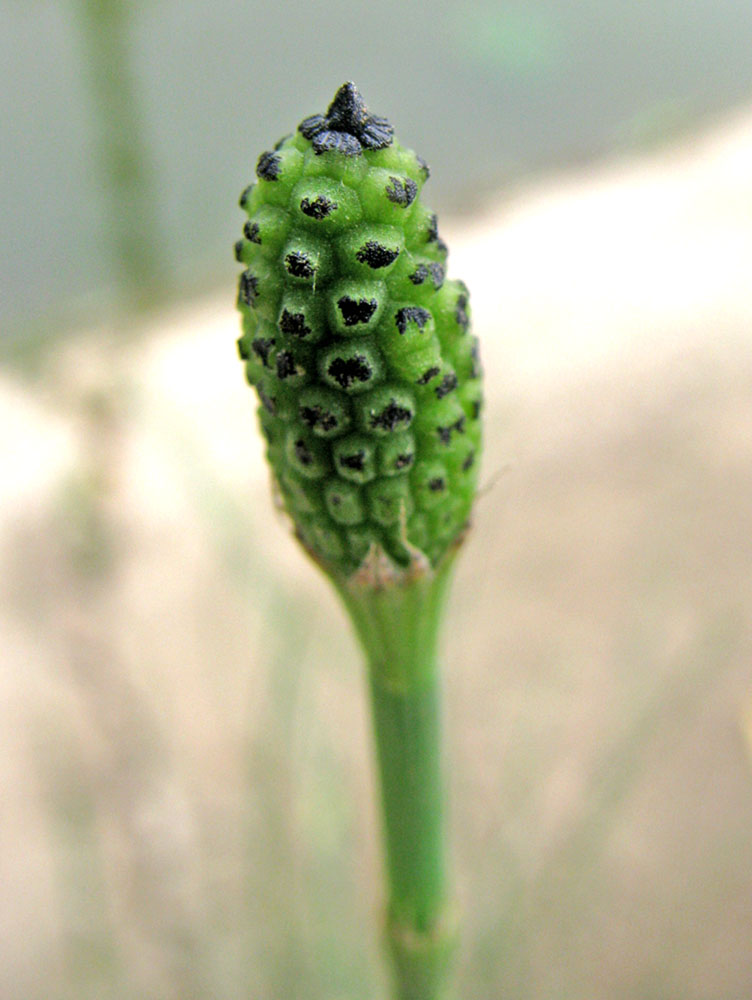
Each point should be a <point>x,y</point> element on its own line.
<point>369,387</point>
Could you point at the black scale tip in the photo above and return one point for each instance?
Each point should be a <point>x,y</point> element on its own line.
<point>348,126</point>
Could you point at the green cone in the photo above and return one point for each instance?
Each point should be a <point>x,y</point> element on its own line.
<point>359,349</point>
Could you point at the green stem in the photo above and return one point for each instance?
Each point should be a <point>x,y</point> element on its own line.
<point>398,624</point>
<point>126,170</point>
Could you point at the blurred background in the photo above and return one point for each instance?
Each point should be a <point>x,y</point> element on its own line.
<point>188,804</point>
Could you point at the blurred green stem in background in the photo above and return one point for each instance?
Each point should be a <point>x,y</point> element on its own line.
<point>128,179</point>
<point>398,625</point>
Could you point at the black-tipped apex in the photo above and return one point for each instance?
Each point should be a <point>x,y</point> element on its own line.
<point>348,126</point>
<point>348,111</point>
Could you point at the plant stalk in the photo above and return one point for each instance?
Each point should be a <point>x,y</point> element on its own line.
<point>398,625</point>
